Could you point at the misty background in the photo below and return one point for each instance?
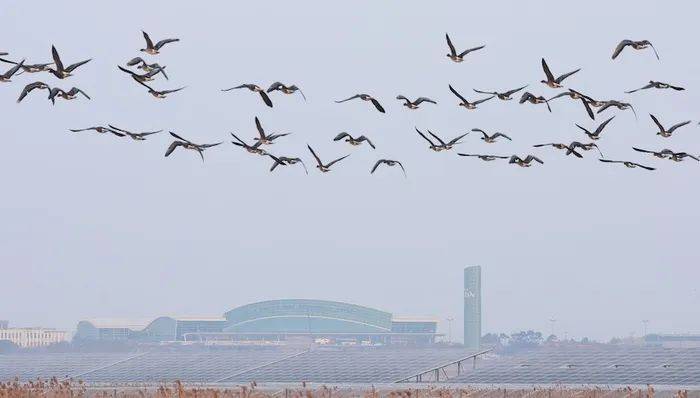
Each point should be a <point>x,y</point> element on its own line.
<point>97,226</point>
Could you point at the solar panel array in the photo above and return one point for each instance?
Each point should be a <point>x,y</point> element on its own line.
<point>33,366</point>
<point>609,366</point>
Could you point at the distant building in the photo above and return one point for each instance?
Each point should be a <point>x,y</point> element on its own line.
<point>31,337</point>
<point>4,324</point>
<point>472,307</point>
<point>163,328</point>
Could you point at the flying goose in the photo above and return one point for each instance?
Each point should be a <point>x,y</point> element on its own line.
<point>66,95</point>
<point>62,72</point>
<point>365,97</point>
<point>467,104</point>
<point>568,148</point>
<point>655,84</point>
<point>100,130</point>
<point>531,98</point>
<point>156,93</point>
<point>146,77</point>
<point>256,89</point>
<point>595,135</point>
<point>135,136</point>
<point>491,138</point>
<point>575,95</point>
<point>146,67</point>
<point>504,96</point>
<point>286,161</point>
<point>637,45</point>
<point>485,158</point>
<point>187,144</point>
<point>32,86</point>
<point>453,52</point>
<point>353,141</point>
<point>29,68</point>
<point>155,49</point>
<point>551,81</point>
<point>325,168</point>
<point>442,146</point>
<point>254,149</point>
<point>669,154</point>
<point>278,86</point>
<point>388,162</point>
<point>524,162</point>
<point>263,138</point>
<point>663,131</point>
<point>617,104</point>
<point>631,165</point>
<point>414,104</point>
<point>585,147</point>
<point>5,77</point>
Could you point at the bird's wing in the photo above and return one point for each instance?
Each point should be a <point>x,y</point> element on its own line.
<point>76,65</point>
<point>677,125</point>
<point>585,130</point>
<point>643,166</point>
<point>424,99</point>
<point>142,83</point>
<point>210,145</point>
<point>363,138</point>
<point>147,133</point>
<point>457,94</point>
<point>511,92</point>
<point>526,96</point>
<point>258,126</point>
<point>318,160</point>
<point>149,42</point>
<point>242,143</point>
<point>501,135</point>
<point>164,42</point>
<point>477,102</point>
<point>341,136</point>
<point>172,91</point>
<point>380,161</point>
<point>564,94</point>
<point>656,121</point>
<point>530,158</point>
<point>135,61</point>
<point>266,99</point>
<point>611,161</point>
<point>127,71</point>
<point>274,86</point>
<point>620,47</point>
<point>424,137</point>
<point>677,88</point>
<point>402,168</point>
<point>300,92</point>
<point>76,90</point>
<point>653,48</point>
<point>650,85</point>
<point>348,99</point>
<point>589,111</point>
<point>436,137</point>
<point>118,129</point>
<point>336,161</point>
<point>450,45</point>
<point>547,72</point>
<point>377,105</point>
<point>56,58</point>
<point>482,132</point>
<point>465,52</point>
<point>13,70</point>
<point>484,92</point>
<point>179,138</point>
<point>602,125</point>
<point>541,145</point>
<point>172,147</point>
<point>235,88</point>
<point>565,75</point>
<point>456,139</point>
<point>644,150</point>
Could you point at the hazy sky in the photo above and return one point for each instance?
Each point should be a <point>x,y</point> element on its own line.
<point>96,226</point>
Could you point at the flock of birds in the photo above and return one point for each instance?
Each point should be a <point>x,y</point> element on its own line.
<point>146,72</point>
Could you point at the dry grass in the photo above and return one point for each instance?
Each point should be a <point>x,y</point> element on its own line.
<point>70,389</point>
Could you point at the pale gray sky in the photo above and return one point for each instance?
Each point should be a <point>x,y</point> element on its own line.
<point>95,226</point>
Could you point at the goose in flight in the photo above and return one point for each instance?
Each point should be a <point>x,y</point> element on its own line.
<point>187,144</point>
<point>443,146</point>
<point>390,163</point>
<point>62,72</point>
<point>663,131</point>
<point>254,149</point>
<point>453,52</point>
<point>100,130</point>
<point>637,45</point>
<point>263,138</point>
<point>595,135</point>
<point>575,95</point>
<point>467,104</point>
<point>485,158</point>
<point>278,86</point>
<point>256,89</point>
<point>5,77</point>
<point>146,77</point>
<point>527,162</point>
<point>531,98</point>
<point>156,93</point>
<point>617,104</point>
<point>146,67</point>
<point>325,168</point>
<point>504,96</point>
<point>414,104</point>
<point>669,154</point>
<point>490,139</point>
<point>585,147</point>
<point>365,97</point>
<point>655,84</point>
<point>66,95</point>
<point>568,148</point>
<point>155,49</point>
<point>134,136</point>
<point>286,161</point>
<point>631,165</point>
<point>31,87</point>
<point>551,80</point>
<point>353,141</point>
<point>29,68</point>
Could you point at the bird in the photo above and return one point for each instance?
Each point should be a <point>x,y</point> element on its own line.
<point>569,149</point>
<point>62,72</point>
<point>551,81</point>
<point>325,168</point>
<point>264,139</point>
<point>531,98</point>
<point>365,97</point>
<point>156,93</point>
<point>631,165</point>
<point>6,77</point>
<point>504,96</point>
<point>443,146</point>
<point>187,144</point>
<point>617,104</point>
<point>595,135</point>
<point>467,104</point>
<point>155,49</point>
<point>254,149</point>
<point>99,129</point>
<point>31,87</point>
<point>286,161</point>
<point>353,141</point>
<point>485,158</point>
<point>148,76</point>
<point>663,131</point>
<point>637,45</point>
<point>491,138</point>
<point>453,53</point>
<point>655,84</point>
<point>66,95</point>
<point>575,95</point>
<point>256,89</point>
<point>414,104</point>
<point>669,154</point>
<point>278,86</point>
<point>29,68</point>
<point>2,53</point>
<point>585,147</point>
<point>388,162</point>
<point>145,66</point>
<point>135,136</point>
<point>527,162</point>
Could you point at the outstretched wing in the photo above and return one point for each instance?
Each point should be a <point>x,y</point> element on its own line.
<point>149,43</point>
<point>135,61</point>
<point>511,92</point>
<point>178,137</point>
<point>620,47</point>
<point>235,88</point>
<point>56,58</point>
<point>677,125</point>
<point>456,139</point>
<point>656,121</point>
<point>318,160</point>
<point>336,161</point>
<point>127,71</point>
<point>424,99</point>
<point>348,99</point>
<point>380,161</point>
<point>501,135</point>
<point>457,94</point>
<point>275,86</point>
<point>172,147</point>
<point>377,105</point>
<point>653,48</point>
<point>547,72</point>
<point>450,45</point>
<point>424,137</point>
<point>477,102</point>
<point>172,91</point>
<point>341,136</point>
<point>602,125</point>
<point>266,99</point>
<point>650,85</point>
<point>436,137</point>
<point>589,111</point>
<point>164,42</point>
<point>258,126</point>
<point>76,65</point>
<point>482,132</point>
<point>363,138</point>
<point>465,52</point>
<point>565,75</point>
<point>644,150</point>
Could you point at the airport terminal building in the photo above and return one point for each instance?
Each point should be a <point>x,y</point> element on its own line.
<point>274,322</point>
